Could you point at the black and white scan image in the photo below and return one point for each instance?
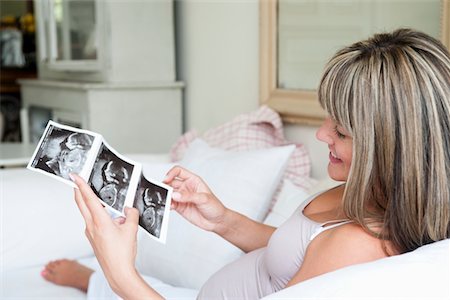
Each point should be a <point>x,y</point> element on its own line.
<point>110,178</point>
<point>151,200</point>
<point>62,151</point>
<point>117,180</point>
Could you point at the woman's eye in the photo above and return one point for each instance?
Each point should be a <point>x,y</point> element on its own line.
<point>338,133</point>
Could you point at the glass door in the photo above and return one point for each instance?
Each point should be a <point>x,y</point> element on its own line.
<point>71,30</point>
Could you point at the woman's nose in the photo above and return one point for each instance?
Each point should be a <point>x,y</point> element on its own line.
<point>324,132</point>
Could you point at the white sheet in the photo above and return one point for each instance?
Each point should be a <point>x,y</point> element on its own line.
<point>39,220</point>
<point>34,232</point>
<point>99,289</point>
<point>23,283</point>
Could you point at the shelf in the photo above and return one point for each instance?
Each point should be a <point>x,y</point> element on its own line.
<point>10,76</point>
<point>102,85</point>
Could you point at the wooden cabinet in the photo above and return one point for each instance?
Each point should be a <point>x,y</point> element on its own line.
<point>106,40</point>
<point>106,66</point>
<point>132,117</point>
<point>9,76</point>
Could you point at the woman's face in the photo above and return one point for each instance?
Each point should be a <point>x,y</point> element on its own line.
<point>340,145</point>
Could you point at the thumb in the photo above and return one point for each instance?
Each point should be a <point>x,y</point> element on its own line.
<point>132,215</point>
<point>177,196</point>
<point>187,197</point>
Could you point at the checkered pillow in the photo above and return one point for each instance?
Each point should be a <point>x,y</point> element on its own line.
<point>260,129</point>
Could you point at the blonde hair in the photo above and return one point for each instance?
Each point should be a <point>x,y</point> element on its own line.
<point>392,94</point>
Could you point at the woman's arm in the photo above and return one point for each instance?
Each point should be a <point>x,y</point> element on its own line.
<point>244,232</point>
<point>114,244</point>
<point>193,199</point>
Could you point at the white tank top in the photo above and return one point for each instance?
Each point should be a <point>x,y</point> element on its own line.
<point>267,270</point>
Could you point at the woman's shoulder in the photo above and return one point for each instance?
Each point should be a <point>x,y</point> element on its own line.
<point>349,244</point>
<point>336,248</point>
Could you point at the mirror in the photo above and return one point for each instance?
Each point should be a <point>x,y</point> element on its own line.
<point>299,36</point>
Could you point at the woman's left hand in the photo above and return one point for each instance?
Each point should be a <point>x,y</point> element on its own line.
<point>113,240</point>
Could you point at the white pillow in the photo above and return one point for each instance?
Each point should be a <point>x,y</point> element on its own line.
<point>291,196</point>
<point>39,220</point>
<point>420,274</point>
<point>244,181</point>
<point>323,185</point>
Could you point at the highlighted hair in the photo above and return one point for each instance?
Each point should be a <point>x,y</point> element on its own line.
<point>392,94</point>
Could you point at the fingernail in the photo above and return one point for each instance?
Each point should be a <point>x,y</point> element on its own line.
<point>43,272</point>
<point>72,177</point>
<point>176,196</point>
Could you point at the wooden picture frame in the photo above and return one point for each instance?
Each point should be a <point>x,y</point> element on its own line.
<point>300,106</point>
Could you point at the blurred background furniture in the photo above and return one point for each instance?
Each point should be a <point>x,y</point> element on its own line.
<point>84,80</point>
<point>18,60</point>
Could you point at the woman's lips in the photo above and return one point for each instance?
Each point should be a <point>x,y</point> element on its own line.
<point>334,159</point>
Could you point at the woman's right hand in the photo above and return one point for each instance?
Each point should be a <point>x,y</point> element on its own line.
<point>194,200</point>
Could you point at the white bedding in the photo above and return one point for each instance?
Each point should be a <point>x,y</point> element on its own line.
<point>40,222</point>
<point>27,283</point>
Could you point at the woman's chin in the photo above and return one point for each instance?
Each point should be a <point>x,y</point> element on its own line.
<point>336,175</point>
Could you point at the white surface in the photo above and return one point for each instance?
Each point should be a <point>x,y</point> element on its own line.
<point>99,289</point>
<point>421,274</point>
<point>27,283</point>
<point>318,151</point>
<point>290,197</point>
<point>39,220</point>
<point>244,181</point>
<point>15,154</point>
<point>217,57</point>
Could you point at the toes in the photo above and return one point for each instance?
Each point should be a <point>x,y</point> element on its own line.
<point>60,261</point>
<point>55,263</point>
<point>50,266</point>
<point>47,275</point>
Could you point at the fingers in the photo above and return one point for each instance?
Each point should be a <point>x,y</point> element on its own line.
<point>119,220</point>
<point>185,197</point>
<point>132,219</point>
<point>176,183</point>
<point>88,202</point>
<point>132,215</point>
<point>173,205</point>
<point>82,207</point>
<point>177,172</point>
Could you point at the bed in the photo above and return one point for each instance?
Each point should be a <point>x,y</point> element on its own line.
<point>40,221</point>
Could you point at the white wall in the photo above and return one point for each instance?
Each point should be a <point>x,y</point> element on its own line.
<point>217,57</point>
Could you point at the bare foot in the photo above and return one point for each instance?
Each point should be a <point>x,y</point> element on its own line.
<point>67,273</point>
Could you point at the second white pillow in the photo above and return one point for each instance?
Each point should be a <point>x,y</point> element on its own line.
<point>243,181</point>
